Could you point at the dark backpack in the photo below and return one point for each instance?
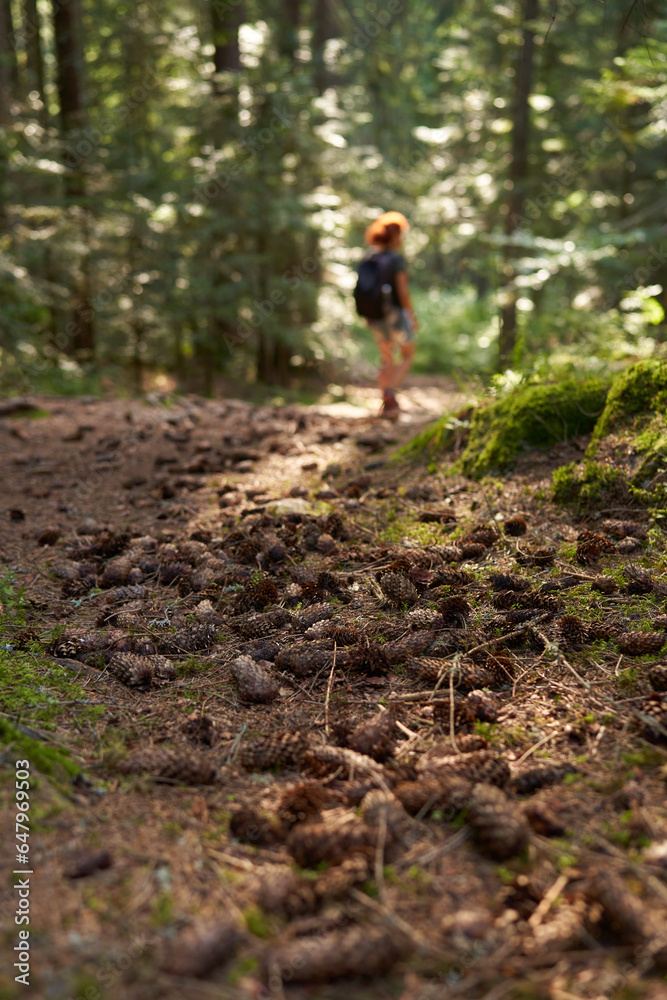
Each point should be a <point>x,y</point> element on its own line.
<point>374,272</point>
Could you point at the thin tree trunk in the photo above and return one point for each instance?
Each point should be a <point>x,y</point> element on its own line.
<point>72,99</point>
<point>8,49</point>
<point>7,60</point>
<point>323,30</point>
<point>225,24</point>
<point>32,34</point>
<point>287,29</point>
<point>69,58</point>
<point>517,174</point>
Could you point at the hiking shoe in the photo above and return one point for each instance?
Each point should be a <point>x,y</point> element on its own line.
<point>390,408</point>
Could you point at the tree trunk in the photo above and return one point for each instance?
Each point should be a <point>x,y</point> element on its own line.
<point>323,30</point>
<point>68,43</point>
<point>7,60</point>
<point>8,51</point>
<point>32,34</point>
<point>69,58</point>
<point>517,174</point>
<point>287,29</point>
<point>225,24</point>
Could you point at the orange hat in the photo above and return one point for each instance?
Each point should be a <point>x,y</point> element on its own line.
<point>377,228</point>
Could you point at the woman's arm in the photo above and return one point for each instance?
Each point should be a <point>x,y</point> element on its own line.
<point>403,295</point>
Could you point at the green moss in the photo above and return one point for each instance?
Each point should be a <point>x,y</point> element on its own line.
<point>443,435</point>
<point>640,389</point>
<point>532,416</point>
<point>49,760</point>
<point>590,484</point>
<point>33,688</point>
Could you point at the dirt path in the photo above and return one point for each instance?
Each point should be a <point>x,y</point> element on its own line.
<point>306,722</point>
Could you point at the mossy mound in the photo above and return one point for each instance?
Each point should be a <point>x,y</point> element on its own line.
<point>589,485</point>
<point>532,416</point>
<point>641,389</point>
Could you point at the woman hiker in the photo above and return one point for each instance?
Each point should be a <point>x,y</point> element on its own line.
<point>396,326</point>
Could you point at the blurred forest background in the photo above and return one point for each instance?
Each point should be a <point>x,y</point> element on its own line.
<point>184,186</point>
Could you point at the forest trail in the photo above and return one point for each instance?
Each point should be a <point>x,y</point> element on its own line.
<point>139,458</point>
<point>232,666</point>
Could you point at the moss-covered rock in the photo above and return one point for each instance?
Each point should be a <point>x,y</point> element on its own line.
<point>641,389</point>
<point>532,416</point>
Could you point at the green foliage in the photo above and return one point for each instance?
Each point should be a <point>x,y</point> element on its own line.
<point>530,416</point>
<point>220,215</point>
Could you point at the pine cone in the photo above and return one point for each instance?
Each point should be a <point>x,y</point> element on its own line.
<point>382,809</point>
<point>464,715</point>
<point>628,545</point>
<point>192,639</point>
<point>660,623</point>
<point>141,671</point>
<point>115,573</point>
<point>376,737</point>
<point>261,624</point>
<point>500,828</point>
<point>337,880</point>
<point>654,724</point>
<point>120,595</point>
<point>640,643</point>
<point>639,580</point>
<point>601,631</point>
<point>108,544</point>
<point>479,767</point>
<point>423,618</point>
<point>257,594</point>
<point>304,658</point>
<point>324,760</point>
<point>515,526</point>
<point>254,681</point>
<point>539,777</point>
<point>657,676</point>
<point>170,765</point>
<point>543,819</point>
<point>356,951</point>
<point>367,658</point>
<point>277,749</point>
<point>399,650</point>
<point>200,729</point>
<point>261,649</point>
<point>450,553</point>
<point>625,915</point>
<point>315,613</point>
<point>430,669</point>
<point>623,529</point>
<point>397,589</point>
<point>253,825</point>
<point>301,803</point>
<point>173,570</point>
<point>481,535</point>
<point>201,948</point>
<point>485,705</point>
<point>572,630</point>
<point>447,793</point>
<point>332,841</point>
<point>455,611</point>
<point>473,550</point>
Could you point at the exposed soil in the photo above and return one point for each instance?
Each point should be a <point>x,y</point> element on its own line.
<point>337,725</point>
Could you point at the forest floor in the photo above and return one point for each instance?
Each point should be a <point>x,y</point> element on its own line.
<point>305,719</point>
